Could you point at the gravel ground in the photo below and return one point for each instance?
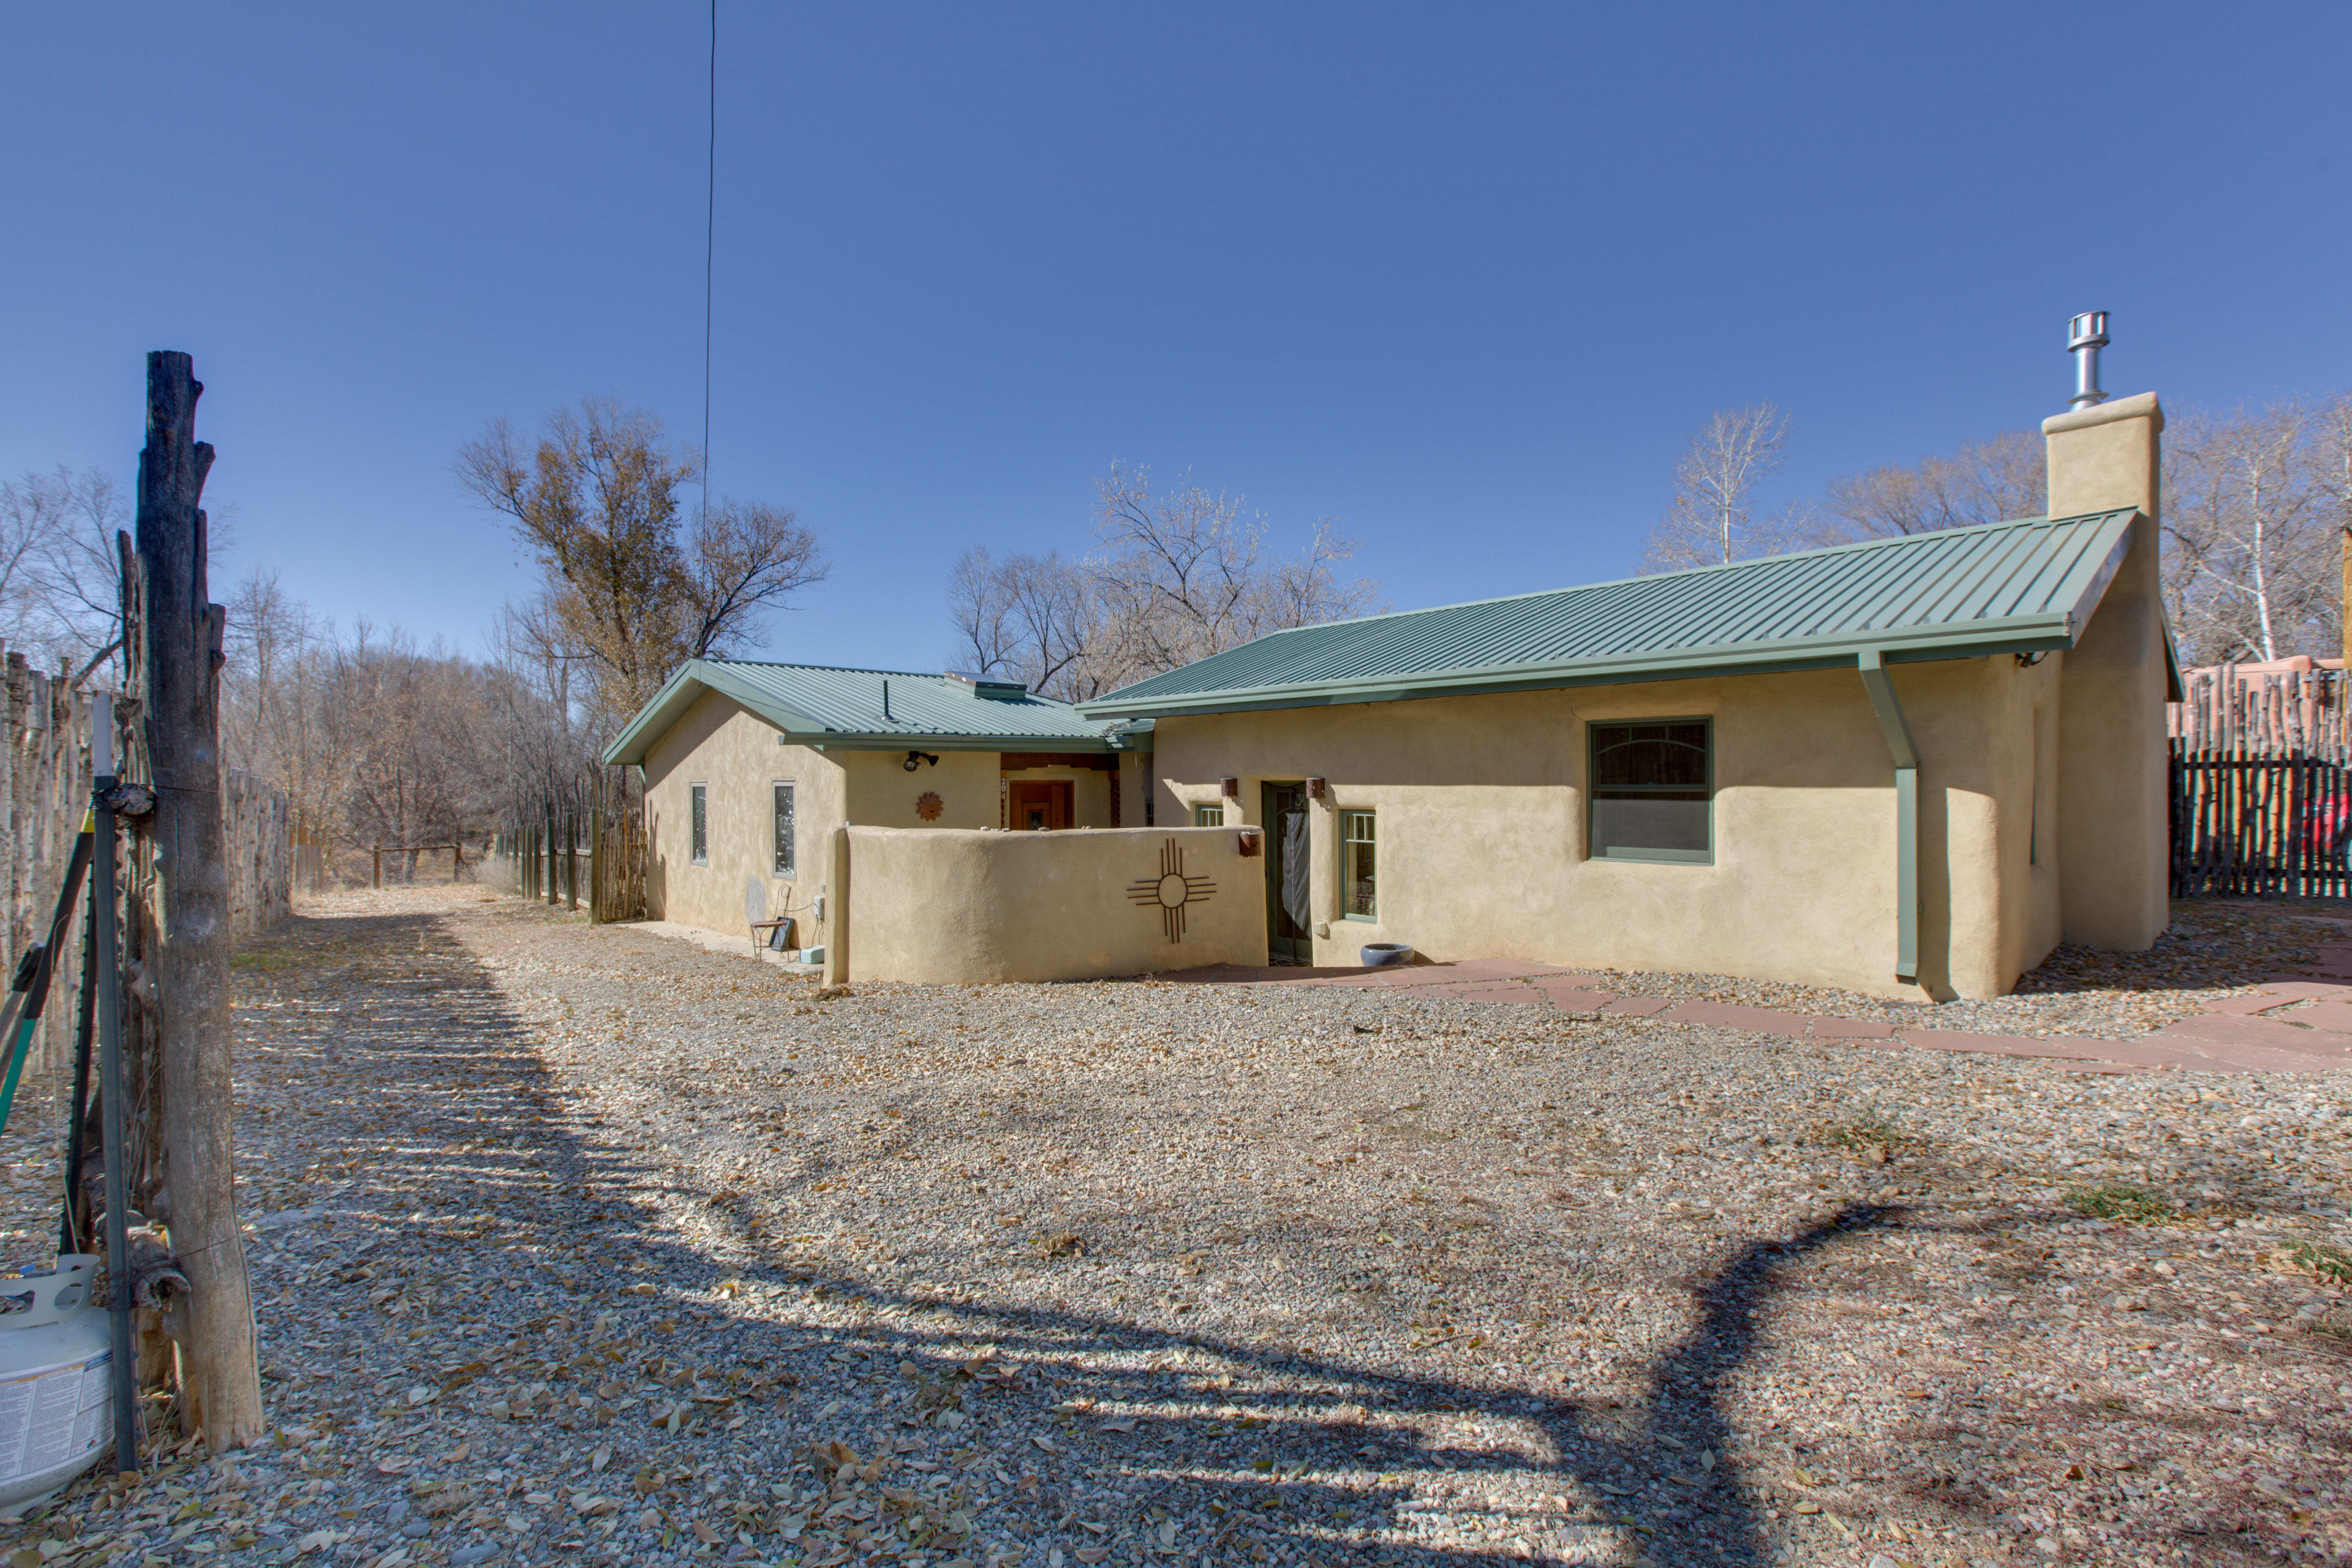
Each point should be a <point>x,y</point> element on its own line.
<point>583,1244</point>
<point>2212,950</point>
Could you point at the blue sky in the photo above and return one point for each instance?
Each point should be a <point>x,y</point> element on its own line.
<point>1464,277</point>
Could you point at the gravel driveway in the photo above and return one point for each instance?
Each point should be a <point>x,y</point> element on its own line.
<point>580,1243</point>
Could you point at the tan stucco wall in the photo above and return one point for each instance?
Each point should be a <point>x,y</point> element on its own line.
<point>884,794</point>
<point>2112,784</point>
<point>1481,825</point>
<point>719,744</point>
<point>972,908</point>
<point>1089,793</point>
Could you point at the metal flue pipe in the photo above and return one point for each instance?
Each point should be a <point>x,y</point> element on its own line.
<point>2086,334</point>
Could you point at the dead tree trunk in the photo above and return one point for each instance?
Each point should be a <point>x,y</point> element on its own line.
<point>177,682</point>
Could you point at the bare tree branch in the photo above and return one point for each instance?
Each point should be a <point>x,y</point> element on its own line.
<point>1712,516</point>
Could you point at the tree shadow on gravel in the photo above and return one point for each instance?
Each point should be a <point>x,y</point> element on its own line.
<point>446,1135</point>
<point>455,1143</point>
<point>447,1130</point>
<point>450,1151</point>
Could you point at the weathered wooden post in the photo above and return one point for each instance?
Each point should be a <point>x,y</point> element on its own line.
<point>378,883</point>
<point>596,852</point>
<point>175,672</point>
<point>571,861</point>
<point>554,874</point>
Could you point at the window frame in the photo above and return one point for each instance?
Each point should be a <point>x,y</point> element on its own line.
<point>1346,818</point>
<point>1202,818</point>
<point>787,847</point>
<point>1593,787</point>
<point>697,822</point>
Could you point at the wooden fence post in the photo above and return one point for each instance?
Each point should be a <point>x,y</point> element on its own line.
<point>596,852</point>
<point>378,883</point>
<point>181,652</point>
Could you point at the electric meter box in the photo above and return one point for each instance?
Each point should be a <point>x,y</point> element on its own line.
<point>56,1379</point>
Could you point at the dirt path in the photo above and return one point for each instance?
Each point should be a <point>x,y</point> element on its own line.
<point>583,1244</point>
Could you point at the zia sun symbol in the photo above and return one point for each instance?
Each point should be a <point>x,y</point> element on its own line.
<point>1170,890</point>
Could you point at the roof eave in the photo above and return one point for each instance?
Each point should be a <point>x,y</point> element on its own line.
<point>842,740</point>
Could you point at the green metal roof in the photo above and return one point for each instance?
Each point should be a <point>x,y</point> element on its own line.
<point>875,709</point>
<point>2014,587</point>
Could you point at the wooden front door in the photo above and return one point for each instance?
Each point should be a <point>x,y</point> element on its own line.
<point>1039,805</point>
<point>1288,936</point>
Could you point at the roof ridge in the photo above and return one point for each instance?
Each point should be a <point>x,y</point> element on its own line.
<point>1752,561</point>
<point>835,668</point>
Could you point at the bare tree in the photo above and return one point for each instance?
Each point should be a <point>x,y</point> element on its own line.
<point>1985,482</point>
<point>2255,531</point>
<point>1175,577</point>
<point>632,590</point>
<point>1031,616</point>
<point>1184,575</point>
<point>1712,518</point>
<point>741,557</point>
<point>60,590</point>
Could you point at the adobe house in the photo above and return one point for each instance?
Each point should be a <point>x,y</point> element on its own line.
<point>1908,767</point>
<point>749,767</point>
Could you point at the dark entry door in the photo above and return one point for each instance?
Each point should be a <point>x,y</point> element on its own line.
<point>1288,867</point>
<point>1039,805</point>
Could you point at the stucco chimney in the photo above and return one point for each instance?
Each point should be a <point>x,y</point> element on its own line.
<point>2112,830</point>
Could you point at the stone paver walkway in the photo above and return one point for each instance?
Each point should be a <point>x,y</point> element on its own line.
<point>2299,1022</point>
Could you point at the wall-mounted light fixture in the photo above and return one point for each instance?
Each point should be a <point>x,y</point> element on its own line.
<point>1230,788</point>
<point>1315,789</point>
<point>916,759</point>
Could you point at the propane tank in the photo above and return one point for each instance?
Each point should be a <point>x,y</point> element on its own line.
<point>55,1378</point>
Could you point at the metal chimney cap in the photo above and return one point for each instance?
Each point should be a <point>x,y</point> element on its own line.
<point>2087,331</point>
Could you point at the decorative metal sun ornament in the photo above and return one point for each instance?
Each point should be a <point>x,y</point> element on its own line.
<point>928,805</point>
<point>1170,890</point>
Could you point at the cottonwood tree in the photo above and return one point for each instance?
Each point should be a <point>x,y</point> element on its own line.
<point>1712,518</point>
<point>1985,482</point>
<point>634,586</point>
<point>1185,574</point>
<point>2251,516</point>
<point>1174,577</point>
<point>380,741</point>
<point>60,578</point>
<point>1033,617</point>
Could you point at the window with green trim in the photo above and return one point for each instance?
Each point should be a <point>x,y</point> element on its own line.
<point>699,823</point>
<point>1359,868</point>
<point>1652,791</point>
<point>1208,817</point>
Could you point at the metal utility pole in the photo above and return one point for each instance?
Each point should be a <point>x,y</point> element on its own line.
<point>175,672</point>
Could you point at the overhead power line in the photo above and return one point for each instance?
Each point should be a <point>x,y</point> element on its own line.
<point>710,252</point>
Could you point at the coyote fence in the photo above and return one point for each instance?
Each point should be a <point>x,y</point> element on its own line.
<point>2262,784</point>
<point>584,845</point>
<point>44,796</point>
